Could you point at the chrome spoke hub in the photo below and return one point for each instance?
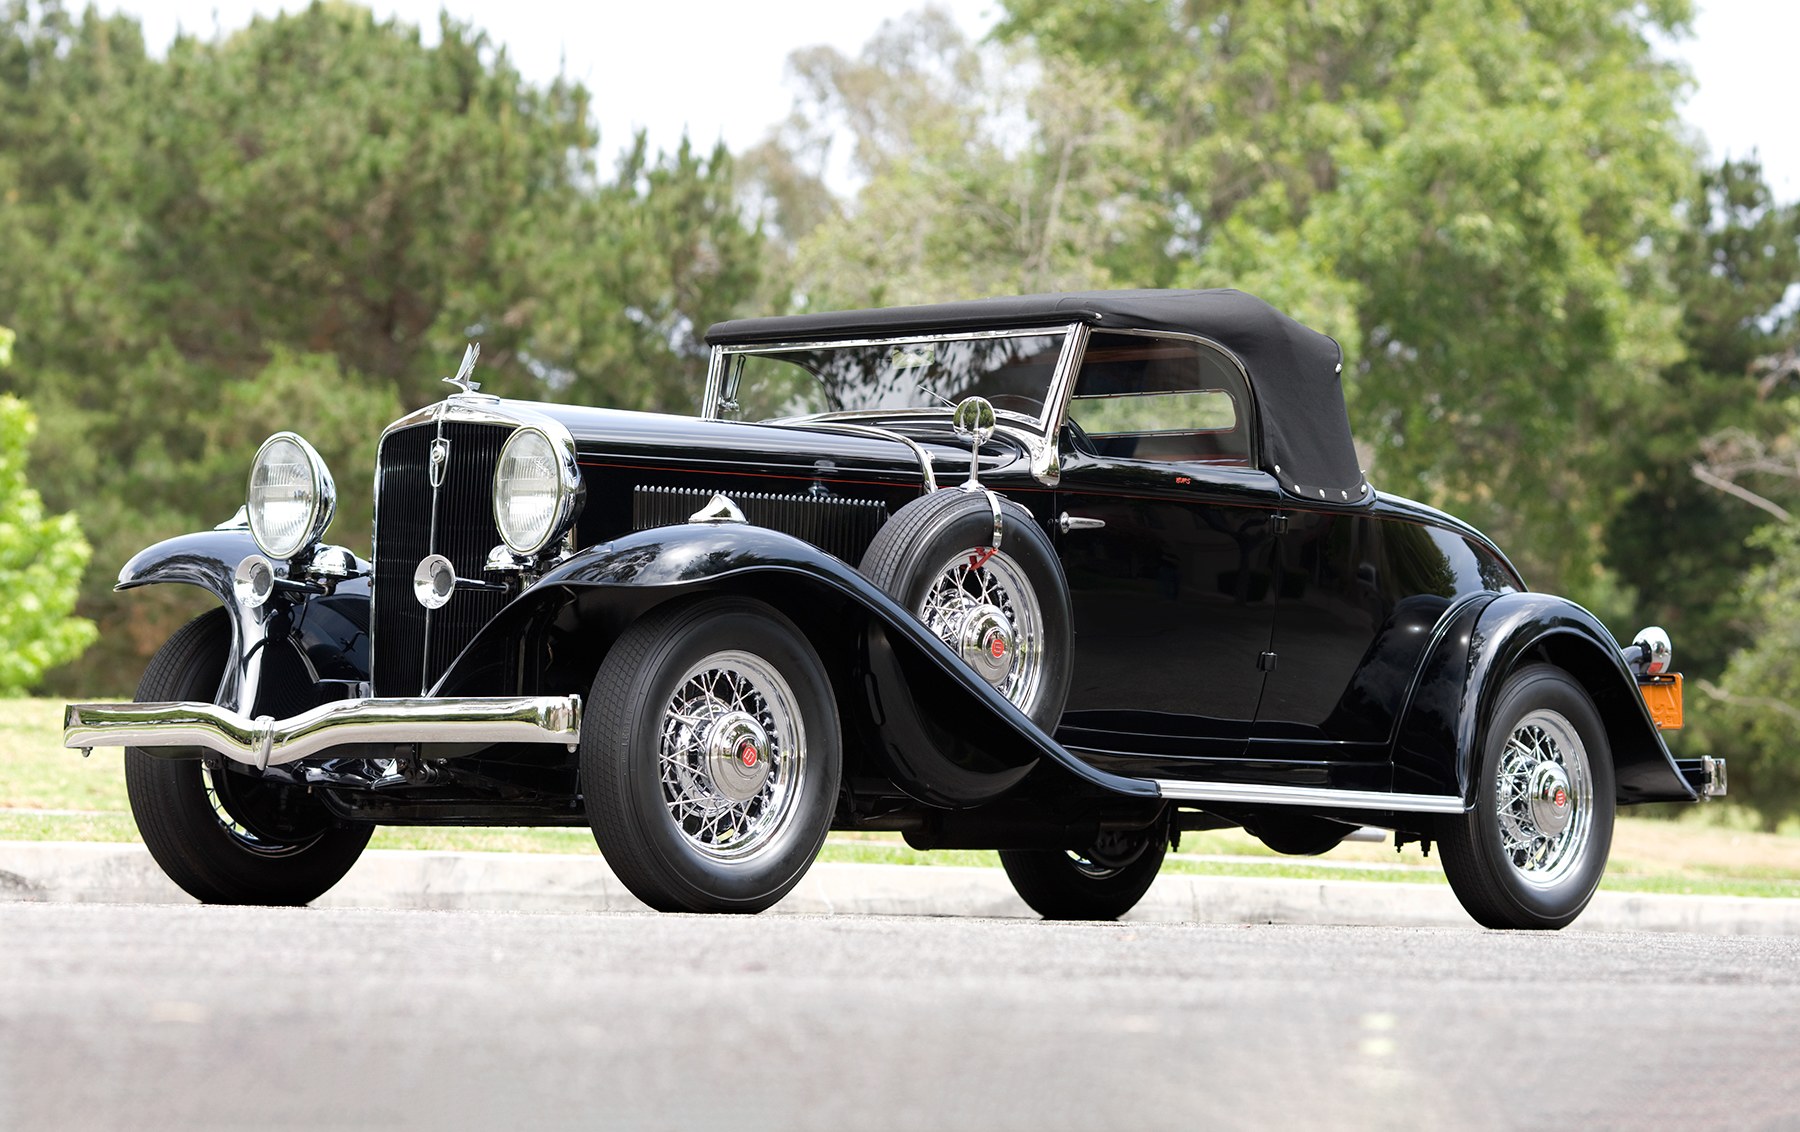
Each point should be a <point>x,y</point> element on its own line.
<point>1544,798</point>
<point>731,756</point>
<point>981,605</point>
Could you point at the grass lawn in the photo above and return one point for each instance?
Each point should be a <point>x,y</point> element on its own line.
<point>50,794</point>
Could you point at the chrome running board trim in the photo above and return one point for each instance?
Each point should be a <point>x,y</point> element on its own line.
<point>156,728</point>
<point>1319,796</point>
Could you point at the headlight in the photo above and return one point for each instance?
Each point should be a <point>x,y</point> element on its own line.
<point>534,491</point>
<point>291,496</point>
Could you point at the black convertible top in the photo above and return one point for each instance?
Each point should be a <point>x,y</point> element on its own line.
<point>1294,371</point>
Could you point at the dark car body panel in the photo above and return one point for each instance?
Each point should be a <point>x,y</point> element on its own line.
<point>1232,623</point>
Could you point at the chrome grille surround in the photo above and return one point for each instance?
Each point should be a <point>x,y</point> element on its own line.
<point>412,647</point>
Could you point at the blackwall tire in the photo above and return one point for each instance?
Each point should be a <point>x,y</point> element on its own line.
<point>1532,850</point>
<point>687,816</point>
<point>224,836</point>
<point>936,557</point>
<point>1102,882</point>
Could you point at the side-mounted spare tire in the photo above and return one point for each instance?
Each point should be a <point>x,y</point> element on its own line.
<point>992,590</point>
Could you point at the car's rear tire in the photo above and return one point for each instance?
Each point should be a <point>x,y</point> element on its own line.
<point>224,836</point>
<point>1101,882</point>
<point>1532,850</point>
<point>937,558</point>
<point>689,819</point>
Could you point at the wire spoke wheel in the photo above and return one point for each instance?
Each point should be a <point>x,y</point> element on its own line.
<point>1531,849</point>
<point>732,755</point>
<point>980,604</point>
<point>1543,794</point>
<point>996,595</point>
<point>710,756</point>
<point>225,836</point>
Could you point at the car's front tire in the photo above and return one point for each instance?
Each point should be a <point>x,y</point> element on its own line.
<point>1531,851</point>
<point>1102,882</point>
<point>225,836</point>
<point>710,756</point>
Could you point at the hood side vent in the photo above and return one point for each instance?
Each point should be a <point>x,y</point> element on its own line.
<point>843,527</point>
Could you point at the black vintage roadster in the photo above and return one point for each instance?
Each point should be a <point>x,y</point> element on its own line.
<point>1058,575</point>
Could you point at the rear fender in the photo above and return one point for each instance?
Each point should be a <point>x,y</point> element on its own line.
<point>328,633</point>
<point>1485,641</point>
<point>910,705</point>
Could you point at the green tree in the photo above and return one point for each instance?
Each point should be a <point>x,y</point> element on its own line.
<point>984,170</point>
<point>41,560</point>
<point>1472,196</point>
<point>298,225</point>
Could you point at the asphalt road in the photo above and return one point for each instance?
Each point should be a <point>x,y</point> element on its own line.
<point>143,1017</point>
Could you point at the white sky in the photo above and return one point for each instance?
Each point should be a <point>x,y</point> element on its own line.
<point>718,67</point>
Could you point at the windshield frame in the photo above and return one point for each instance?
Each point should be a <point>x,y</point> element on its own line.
<point>1036,427</point>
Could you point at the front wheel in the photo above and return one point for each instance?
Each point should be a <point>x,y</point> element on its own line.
<point>710,756</point>
<point>1531,851</point>
<point>228,836</point>
<point>1102,882</point>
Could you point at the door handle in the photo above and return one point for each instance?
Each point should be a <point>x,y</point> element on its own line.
<point>1070,522</point>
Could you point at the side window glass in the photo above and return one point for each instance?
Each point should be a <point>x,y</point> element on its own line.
<point>1164,399</point>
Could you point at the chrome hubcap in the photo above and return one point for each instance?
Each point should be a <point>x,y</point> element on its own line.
<point>732,756</point>
<point>1544,800</point>
<point>737,755</point>
<point>981,605</point>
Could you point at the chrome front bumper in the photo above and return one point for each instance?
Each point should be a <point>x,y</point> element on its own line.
<point>176,729</point>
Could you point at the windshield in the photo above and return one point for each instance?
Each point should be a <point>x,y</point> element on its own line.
<point>1011,371</point>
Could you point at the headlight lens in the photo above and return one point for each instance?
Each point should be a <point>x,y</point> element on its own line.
<point>531,495</point>
<point>291,496</point>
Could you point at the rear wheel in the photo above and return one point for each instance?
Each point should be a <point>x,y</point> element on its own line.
<point>710,756</point>
<point>1532,850</point>
<point>1101,882</point>
<point>224,836</point>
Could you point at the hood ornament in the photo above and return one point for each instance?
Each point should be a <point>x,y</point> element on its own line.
<point>467,368</point>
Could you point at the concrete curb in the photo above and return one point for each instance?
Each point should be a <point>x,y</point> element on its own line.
<point>92,872</point>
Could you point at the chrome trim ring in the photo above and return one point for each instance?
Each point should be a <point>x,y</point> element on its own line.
<point>980,601</point>
<point>321,502</point>
<point>1543,801</point>
<point>730,804</point>
<point>568,486</point>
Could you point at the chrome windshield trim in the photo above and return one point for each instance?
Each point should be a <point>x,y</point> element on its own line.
<point>709,409</point>
<point>1322,797</point>
<point>173,730</point>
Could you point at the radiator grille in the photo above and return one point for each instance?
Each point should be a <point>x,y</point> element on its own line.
<point>843,527</point>
<point>406,662</point>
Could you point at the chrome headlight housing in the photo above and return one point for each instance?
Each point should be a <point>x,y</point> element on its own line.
<point>291,496</point>
<point>536,487</point>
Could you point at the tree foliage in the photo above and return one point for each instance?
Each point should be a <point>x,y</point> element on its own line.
<point>41,560</point>
<point>983,170</point>
<point>1471,196</point>
<point>297,225</point>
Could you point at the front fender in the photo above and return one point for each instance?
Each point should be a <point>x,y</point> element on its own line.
<point>906,681</point>
<point>329,633</point>
<point>1448,718</point>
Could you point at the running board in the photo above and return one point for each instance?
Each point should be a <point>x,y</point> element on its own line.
<point>1255,794</point>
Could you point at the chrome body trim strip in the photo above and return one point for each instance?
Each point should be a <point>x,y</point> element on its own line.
<point>264,741</point>
<point>1320,796</point>
<point>853,429</point>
